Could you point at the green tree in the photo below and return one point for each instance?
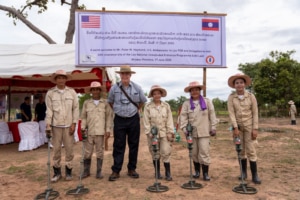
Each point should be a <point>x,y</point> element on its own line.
<point>275,80</point>
<point>42,6</point>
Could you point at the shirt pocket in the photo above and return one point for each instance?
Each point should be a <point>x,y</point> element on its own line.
<point>190,116</point>
<point>101,112</point>
<point>135,97</point>
<point>56,104</point>
<point>69,100</point>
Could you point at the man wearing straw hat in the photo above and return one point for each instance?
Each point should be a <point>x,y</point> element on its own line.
<point>126,98</point>
<point>292,112</point>
<point>61,117</point>
<point>96,122</point>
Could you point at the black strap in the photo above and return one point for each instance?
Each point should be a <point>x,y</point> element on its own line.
<point>129,97</point>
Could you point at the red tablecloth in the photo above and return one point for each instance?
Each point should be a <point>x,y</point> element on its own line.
<point>13,127</point>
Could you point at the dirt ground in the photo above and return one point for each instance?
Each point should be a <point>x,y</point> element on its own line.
<point>23,175</point>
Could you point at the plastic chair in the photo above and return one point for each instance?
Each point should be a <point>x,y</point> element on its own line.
<point>29,134</point>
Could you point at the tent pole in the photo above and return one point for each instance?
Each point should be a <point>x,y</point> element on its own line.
<point>104,78</point>
<point>9,103</point>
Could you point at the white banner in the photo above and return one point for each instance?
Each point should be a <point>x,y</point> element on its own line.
<point>150,39</point>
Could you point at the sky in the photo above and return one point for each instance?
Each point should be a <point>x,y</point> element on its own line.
<point>253,29</point>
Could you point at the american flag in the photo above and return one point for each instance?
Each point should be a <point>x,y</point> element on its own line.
<point>89,21</point>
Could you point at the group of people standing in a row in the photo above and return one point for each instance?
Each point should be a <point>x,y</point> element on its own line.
<point>120,114</point>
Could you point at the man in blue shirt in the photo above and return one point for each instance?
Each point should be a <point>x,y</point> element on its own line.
<point>126,98</point>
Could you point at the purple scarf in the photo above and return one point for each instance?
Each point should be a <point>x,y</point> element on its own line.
<point>201,102</point>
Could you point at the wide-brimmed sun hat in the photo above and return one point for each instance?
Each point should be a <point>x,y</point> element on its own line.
<point>125,69</point>
<point>194,84</point>
<point>157,87</point>
<point>60,73</point>
<point>291,102</point>
<point>239,76</point>
<point>94,84</point>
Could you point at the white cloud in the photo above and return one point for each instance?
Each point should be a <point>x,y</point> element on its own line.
<point>253,29</point>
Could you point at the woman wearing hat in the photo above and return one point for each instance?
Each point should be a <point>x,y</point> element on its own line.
<point>293,112</point>
<point>243,113</point>
<point>200,112</point>
<point>158,114</point>
<point>96,122</point>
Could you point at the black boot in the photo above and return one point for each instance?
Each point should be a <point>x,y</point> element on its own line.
<point>205,172</point>
<point>57,174</point>
<point>244,169</point>
<point>293,122</point>
<point>68,174</point>
<point>168,171</point>
<point>99,168</point>
<point>197,170</point>
<point>158,169</point>
<point>255,178</point>
<point>87,167</point>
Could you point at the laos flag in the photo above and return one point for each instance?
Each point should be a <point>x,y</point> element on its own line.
<point>210,24</point>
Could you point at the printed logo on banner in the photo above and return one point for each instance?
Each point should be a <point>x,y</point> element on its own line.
<point>210,60</point>
<point>90,21</point>
<point>88,59</point>
<point>210,24</point>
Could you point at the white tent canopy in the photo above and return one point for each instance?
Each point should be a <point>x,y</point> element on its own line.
<point>28,67</point>
<point>26,60</point>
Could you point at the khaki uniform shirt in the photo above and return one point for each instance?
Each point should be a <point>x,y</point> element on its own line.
<point>97,118</point>
<point>62,107</point>
<point>243,111</point>
<point>202,121</point>
<point>293,112</point>
<point>161,117</point>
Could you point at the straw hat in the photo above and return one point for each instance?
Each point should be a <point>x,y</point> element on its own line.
<point>239,76</point>
<point>125,69</point>
<point>157,87</point>
<point>194,84</point>
<point>60,73</point>
<point>291,102</point>
<point>94,84</point>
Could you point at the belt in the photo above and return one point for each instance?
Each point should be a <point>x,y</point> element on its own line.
<point>124,117</point>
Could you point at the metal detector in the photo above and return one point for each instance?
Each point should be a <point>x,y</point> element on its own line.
<point>191,185</point>
<point>80,189</point>
<point>242,188</point>
<point>156,187</point>
<point>49,193</point>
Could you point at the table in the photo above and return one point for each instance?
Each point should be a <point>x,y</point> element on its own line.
<point>13,127</point>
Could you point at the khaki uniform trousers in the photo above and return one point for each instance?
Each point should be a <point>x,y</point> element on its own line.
<point>98,142</point>
<point>62,136</point>
<point>200,151</point>
<point>248,145</point>
<point>165,149</point>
